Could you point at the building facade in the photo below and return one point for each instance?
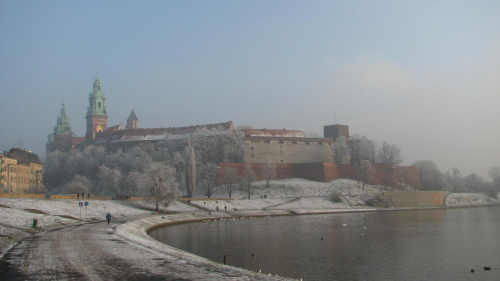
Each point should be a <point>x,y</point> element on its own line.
<point>285,146</point>
<point>20,169</point>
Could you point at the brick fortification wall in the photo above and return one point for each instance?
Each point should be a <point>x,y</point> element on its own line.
<point>382,174</point>
<point>322,172</point>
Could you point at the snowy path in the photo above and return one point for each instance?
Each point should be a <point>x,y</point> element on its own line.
<point>95,252</point>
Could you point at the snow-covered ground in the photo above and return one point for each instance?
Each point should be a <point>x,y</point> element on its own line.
<point>282,197</point>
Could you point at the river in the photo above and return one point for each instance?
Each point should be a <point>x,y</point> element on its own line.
<point>436,244</point>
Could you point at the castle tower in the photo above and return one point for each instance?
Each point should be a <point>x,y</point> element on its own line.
<point>96,112</point>
<point>336,131</point>
<point>61,139</point>
<point>132,121</point>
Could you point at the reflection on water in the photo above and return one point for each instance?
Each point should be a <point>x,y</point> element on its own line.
<point>393,245</point>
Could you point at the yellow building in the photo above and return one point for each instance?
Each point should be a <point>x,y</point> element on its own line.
<point>20,169</point>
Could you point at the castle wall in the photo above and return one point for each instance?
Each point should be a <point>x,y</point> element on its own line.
<point>383,174</point>
<point>287,150</point>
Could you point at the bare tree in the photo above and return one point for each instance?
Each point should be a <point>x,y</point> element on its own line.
<point>342,151</point>
<point>472,183</point>
<point>389,153</point>
<point>404,177</point>
<point>247,179</point>
<point>190,170</point>
<point>430,176</point>
<point>457,180</point>
<point>363,171</point>
<point>158,182</point>
<point>229,178</point>
<point>207,178</point>
<point>268,172</point>
<point>361,149</point>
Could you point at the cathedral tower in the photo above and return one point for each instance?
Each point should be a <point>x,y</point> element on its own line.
<point>96,112</point>
<point>132,121</point>
<point>62,137</point>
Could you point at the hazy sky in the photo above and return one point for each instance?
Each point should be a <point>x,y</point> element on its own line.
<point>424,76</point>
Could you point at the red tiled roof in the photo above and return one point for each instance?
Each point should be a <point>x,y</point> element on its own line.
<point>158,134</point>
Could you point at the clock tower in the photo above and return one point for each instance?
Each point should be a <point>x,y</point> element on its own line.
<point>96,112</point>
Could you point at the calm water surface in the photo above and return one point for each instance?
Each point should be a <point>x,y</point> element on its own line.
<point>395,245</point>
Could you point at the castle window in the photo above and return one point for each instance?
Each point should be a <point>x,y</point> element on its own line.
<point>267,141</point>
<point>294,142</point>
<point>281,141</point>
<point>307,142</point>
<point>252,155</point>
<point>99,104</point>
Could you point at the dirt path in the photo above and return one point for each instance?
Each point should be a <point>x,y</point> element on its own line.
<point>95,252</point>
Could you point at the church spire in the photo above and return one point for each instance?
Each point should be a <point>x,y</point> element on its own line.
<point>63,125</point>
<point>132,121</point>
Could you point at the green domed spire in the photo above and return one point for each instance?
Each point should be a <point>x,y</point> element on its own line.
<point>63,125</point>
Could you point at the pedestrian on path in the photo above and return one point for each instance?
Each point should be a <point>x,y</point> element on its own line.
<point>108,217</point>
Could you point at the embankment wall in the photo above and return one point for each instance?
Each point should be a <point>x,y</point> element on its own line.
<point>418,198</point>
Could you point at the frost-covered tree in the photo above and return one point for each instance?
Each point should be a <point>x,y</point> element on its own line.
<point>92,157</point>
<point>268,172</point>
<point>130,183</point>
<point>361,148</point>
<point>206,178</point>
<point>78,184</point>
<point>235,146</point>
<point>110,181</point>
<point>247,179</point>
<point>159,184</point>
<point>389,153</point>
<point>190,170</point>
<point>229,178</point>
<point>363,171</point>
<point>341,151</point>
<point>472,183</point>
<point>454,180</point>
<point>430,176</point>
<point>205,143</point>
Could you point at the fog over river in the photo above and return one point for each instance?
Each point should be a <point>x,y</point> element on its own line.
<point>436,244</point>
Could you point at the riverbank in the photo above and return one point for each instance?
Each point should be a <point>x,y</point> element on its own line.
<point>288,197</point>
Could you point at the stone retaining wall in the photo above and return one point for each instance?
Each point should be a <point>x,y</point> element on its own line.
<point>418,199</point>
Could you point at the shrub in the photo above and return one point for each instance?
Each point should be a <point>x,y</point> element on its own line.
<point>379,201</point>
<point>336,197</point>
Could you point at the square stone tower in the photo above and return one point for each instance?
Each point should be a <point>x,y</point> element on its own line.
<point>336,131</point>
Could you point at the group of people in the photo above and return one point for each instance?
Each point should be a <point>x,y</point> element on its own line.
<point>123,197</point>
<point>83,195</point>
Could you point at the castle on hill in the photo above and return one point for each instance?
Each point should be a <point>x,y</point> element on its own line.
<point>294,153</point>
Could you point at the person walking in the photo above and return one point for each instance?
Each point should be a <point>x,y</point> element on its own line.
<point>108,217</point>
